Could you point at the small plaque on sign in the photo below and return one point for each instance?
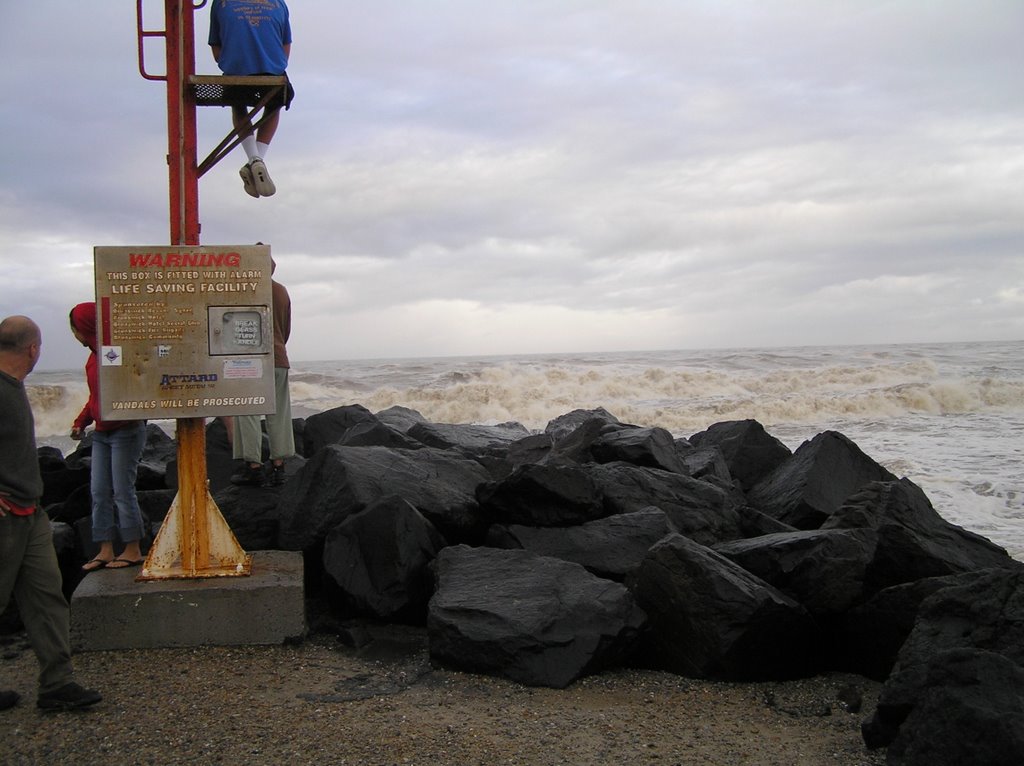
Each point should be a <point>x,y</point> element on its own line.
<point>110,356</point>
<point>243,369</point>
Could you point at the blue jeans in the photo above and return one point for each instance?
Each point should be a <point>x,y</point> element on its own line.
<point>115,464</point>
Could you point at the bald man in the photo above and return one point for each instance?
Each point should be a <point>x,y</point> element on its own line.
<point>28,562</point>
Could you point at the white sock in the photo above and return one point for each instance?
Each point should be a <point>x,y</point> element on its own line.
<point>262,149</point>
<point>250,146</point>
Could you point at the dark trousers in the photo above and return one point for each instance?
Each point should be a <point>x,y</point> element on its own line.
<point>29,570</point>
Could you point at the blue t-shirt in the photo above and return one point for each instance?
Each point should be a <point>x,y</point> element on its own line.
<point>251,35</point>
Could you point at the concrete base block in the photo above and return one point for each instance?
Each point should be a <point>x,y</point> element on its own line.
<point>109,610</point>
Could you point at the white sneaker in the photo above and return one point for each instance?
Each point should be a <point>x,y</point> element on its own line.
<point>248,181</point>
<point>261,178</point>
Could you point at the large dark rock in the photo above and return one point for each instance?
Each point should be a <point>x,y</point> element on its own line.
<point>328,427</point>
<point>703,462</point>
<point>63,538</point>
<point>824,570</point>
<point>611,547</point>
<point>220,464</point>
<point>574,447</point>
<point>159,450</point>
<point>487,445</point>
<point>956,693</point>
<point>400,418</point>
<point>753,523</point>
<point>868,638</point>
<point>78,505</point>
<point>154,504</point>
<point>67,547</point>
<point>372,433</point>
<point>697,509</point>
<point>50,459</point>
<point>748,450</point>
<point>563,425</point>
<point>534,448</point>
<point>59,478</point>
<point>815,480</point>
<point>530,449</point>
<point>709,618</point>
<point>82,453</point>
<point>535,620</point>
<point>470,440</point>
<point>379,560</point>
<point>220,461</point>
<point>651,447</point>
<point>913,540</point>
<point>961,706</point>
<point>986,612</point>
<point>253,512</point>
<point>542,495</point>
<point>339,481</point>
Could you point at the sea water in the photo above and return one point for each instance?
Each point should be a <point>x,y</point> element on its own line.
<point>949,417</point>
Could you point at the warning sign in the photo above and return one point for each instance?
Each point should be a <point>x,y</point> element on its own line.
<point>184,331</point>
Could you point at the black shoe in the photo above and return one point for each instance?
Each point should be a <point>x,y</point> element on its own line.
<point>69,697</point>
<point>276,477</point>
<point>248,476</point>
<point>8,699</point>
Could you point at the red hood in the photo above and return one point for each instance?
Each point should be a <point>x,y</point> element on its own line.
<point>83,319</point>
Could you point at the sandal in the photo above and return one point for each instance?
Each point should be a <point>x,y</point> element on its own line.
<point>94,565</point>
<point>120,563</point>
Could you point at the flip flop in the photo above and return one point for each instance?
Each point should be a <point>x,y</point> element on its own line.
<point>94,565</point>
<point>120,563</point>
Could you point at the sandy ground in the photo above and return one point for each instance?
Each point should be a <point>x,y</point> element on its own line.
<point>322,702</point>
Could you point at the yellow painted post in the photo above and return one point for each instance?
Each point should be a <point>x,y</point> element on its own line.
<point>195,541</point>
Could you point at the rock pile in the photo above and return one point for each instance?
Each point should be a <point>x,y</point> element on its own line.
<point>542,557</point>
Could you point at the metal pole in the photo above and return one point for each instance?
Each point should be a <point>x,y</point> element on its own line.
<point>194,532</point>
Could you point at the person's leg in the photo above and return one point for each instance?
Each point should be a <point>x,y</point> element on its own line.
<point>14,535</point>
<point>280,428</point>
<point>126,445</point>
<point>102,490</point>
<point>229,428</point>
<point>248,442</point>
<point>42,605</point>
<point>253,187</point>
<point>261,144</point>
<point>240,119</point>
<point>248,447</point>
<point>13,538</point>
<point>266,131</point>
<point>255,177</point>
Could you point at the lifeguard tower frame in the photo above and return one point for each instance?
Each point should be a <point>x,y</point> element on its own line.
<point>195,541</point>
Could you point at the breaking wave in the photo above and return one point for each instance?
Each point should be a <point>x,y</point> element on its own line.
<point>683,401</point>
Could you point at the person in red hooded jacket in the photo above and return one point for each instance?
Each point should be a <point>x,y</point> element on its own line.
<point>116,448</point>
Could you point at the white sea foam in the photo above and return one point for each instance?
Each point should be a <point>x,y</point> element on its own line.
<point>682,401</point>
<point>55,406</point>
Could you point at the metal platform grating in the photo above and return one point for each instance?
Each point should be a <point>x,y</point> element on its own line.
<point>215,90</point>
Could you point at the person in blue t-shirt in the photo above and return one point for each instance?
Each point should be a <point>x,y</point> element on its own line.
<point>253,37</point>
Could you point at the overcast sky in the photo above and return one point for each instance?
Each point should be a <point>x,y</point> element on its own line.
<point>467,177</point>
